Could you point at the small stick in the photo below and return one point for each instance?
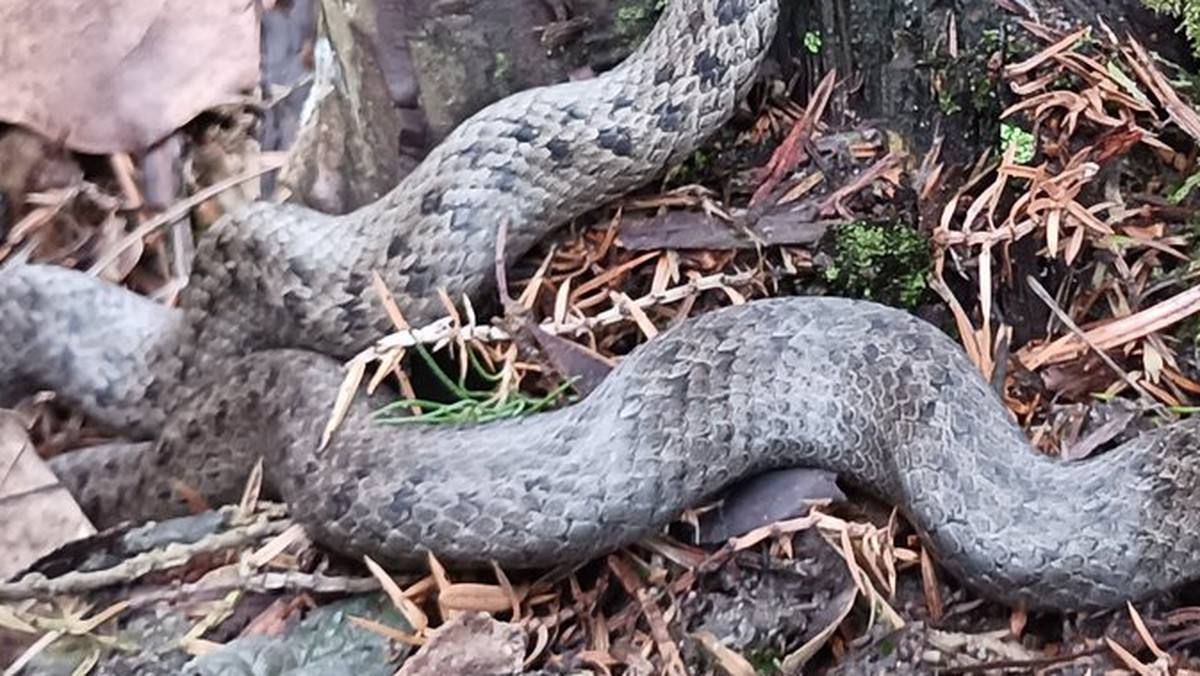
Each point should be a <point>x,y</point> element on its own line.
<point>501,274</point>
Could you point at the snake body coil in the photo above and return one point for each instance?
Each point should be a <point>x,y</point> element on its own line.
<point>248,366</point>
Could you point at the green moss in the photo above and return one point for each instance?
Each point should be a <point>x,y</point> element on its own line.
<point>766,661</point>
<point>983,92</point>
<point>886,263</point>
<point>1179,194</point>
<point>1188,13</point>
<point>691,170</point>
<point>629,14</point>
<point>947,104</point>
<point>502,70</point>
<point>635,19</point>
<point>1026,144</point>
<point>812,42</point>
<point>991,40</point>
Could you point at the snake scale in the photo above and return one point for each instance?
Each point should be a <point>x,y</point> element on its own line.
<point>249,363</point>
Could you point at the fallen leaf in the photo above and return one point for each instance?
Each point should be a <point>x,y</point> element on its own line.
<point>765,499</point>
<point>470,643</point>
<point>36,514</point>
<point>571,360</point>
<point>104,76</point>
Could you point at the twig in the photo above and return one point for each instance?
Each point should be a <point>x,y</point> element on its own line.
<point>270,162</point>
<point>1031,665</point>
<point>501,274</point>
<point>262,583</point>
<point>444,329</point>
<point>36,585</point>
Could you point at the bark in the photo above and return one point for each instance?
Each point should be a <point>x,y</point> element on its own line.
<point>395,76</point>
<point>930,67</point>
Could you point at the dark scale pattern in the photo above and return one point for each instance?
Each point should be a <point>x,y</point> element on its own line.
<point>732,11</point>
<point>618,140</point>
<point>279,293</point>
<point>775,383</point>
<point>709,68</point>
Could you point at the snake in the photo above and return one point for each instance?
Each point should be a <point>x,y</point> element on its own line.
<point>247,365</point>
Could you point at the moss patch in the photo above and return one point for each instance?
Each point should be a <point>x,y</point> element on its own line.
<point>635,19</point>
<point>502,71</point>
<point>885,263</point>
<point>766,661</point>
<point>1188,13</point>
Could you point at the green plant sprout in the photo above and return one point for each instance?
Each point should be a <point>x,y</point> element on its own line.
<point>1013,135</point>
<point>812,42</point>
<point>469,405</point>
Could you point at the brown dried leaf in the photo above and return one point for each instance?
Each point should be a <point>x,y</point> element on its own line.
<point>355,370</point>
<point>933,592</point>
<point>1063,45</point>
<point>842,604</point>
<point>274,620</point>
<point>35,516</point>
<point>277,545</point>
<point>416,618</point>
<point>105,76</point>
<point>572,360</point>
<point>1118,332</point>
<point>471,643</point>
<point>387,631</point>
<point>486,598</point>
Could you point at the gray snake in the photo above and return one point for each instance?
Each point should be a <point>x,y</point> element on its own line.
<point>249,364</point>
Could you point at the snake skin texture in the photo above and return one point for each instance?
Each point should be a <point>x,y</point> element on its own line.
<point>248,367</point>
<point>281,276</point>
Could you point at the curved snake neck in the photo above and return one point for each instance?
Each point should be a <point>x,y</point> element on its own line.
<point>249,365</point>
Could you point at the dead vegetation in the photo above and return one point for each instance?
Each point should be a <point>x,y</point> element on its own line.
<point>1088,204</point>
